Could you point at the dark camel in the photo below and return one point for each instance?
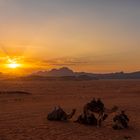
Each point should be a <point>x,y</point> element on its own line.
<point>121,121</point>
<point>97,107</point>
<point>58,114</point>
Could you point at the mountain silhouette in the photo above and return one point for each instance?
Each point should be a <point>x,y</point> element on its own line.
<point>66,72</point>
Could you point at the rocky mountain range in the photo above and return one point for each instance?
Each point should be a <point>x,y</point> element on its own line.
<point>66,72</point>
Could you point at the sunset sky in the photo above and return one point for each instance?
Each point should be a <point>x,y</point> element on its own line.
<point>85,35</point>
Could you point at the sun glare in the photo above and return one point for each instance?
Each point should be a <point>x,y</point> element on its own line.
<point>13,64</point>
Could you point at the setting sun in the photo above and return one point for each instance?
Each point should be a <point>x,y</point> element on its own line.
<point>13,64</point>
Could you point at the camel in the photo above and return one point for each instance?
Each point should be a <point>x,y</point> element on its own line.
<point>121,121</point>
<point>58,114</point>
<point>97,107</point>
<point>87,119</point>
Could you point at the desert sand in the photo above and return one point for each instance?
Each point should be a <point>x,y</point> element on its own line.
<point>23,117</point>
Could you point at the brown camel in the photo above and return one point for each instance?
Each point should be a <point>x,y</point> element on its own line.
<point>58,114</point>
<point>97,107</point>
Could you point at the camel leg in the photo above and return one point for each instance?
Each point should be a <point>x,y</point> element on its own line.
<point>100,119</point>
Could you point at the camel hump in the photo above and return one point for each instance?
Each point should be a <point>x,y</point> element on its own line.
<point>94,106</point>
<point>57,114</point>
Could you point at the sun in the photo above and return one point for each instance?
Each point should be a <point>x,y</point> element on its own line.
<point>13,64</point>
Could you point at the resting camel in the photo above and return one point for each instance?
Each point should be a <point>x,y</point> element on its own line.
<point>121,121</point>
<point>87,119</point>
<point>97,107</point>
<point>58,114</point>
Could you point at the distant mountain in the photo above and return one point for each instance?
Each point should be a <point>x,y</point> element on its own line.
<point>120,75</point>
<point>66,72</point>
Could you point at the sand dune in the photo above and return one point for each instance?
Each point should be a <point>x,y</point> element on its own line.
<point>24,117</point>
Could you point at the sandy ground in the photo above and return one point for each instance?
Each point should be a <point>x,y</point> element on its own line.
<point>23,117</point>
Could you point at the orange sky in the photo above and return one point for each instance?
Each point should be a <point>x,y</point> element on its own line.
<point>85,36</point>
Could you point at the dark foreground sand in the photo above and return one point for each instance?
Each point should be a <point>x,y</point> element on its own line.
<point>23,117</point>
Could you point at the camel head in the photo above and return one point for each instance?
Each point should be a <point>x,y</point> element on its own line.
<point>69,116</point>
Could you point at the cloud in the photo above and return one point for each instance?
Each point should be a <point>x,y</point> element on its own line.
<point>66,61</point>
